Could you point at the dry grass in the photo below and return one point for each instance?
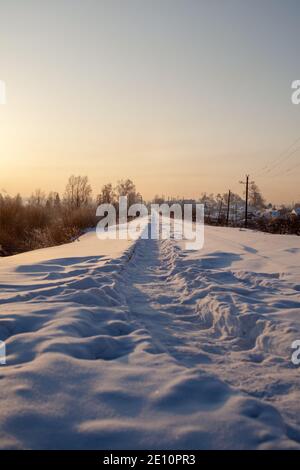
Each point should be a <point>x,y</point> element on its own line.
<point>25,226</point>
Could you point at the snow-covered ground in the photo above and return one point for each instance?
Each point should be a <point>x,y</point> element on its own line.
<point>118,344</point>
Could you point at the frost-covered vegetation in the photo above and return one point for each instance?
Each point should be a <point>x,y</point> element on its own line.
<point>47,220</point>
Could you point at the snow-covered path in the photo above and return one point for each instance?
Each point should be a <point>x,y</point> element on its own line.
<point>147,345</point>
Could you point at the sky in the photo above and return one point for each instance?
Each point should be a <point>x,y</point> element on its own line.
<point>182,96</point>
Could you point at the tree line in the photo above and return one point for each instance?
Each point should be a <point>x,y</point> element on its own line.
<point>44,220</point>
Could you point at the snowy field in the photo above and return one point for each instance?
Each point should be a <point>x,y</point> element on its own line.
<point>144,345</point>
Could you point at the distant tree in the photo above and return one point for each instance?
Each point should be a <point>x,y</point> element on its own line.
<point>53,200</point>
<point>57,202</point>
<point>107,195</point>
<point>235,201</point>
<point>78,191</point>
<point>127,188</point>
<point>221,205</point>
<point>158,199</point>
<point>18,200</point>
<point>255,196</point>
<point>38,198</point>
<point>208,201</point>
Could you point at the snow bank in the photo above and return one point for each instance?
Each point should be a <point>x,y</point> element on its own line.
<point>114,344</point>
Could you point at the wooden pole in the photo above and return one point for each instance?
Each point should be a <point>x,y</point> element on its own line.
<point>228,207</point>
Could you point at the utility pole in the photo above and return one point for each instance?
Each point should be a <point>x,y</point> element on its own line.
<point>246,207</point>
<point>220,210</point>
<point>228,207</point>
<point>247,197</point>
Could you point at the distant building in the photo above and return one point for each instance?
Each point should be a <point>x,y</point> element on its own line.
<point>271,213</point>
<point>296,211</point>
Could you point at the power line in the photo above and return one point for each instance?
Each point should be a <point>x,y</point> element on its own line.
<point>289,170</point>
<point>287,157</point>
<point>284,156</point>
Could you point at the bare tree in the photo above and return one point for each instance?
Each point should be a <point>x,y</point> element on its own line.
<point>38,198</point>
<point>78,191</point>
<point>57,202</point>
<point>255,197</point>
<point>107,195</point>
<point>53,200</point>
<point>159,199</point>
<point>127,188</point>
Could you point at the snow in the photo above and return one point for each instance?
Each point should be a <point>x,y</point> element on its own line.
<point>145,345</point>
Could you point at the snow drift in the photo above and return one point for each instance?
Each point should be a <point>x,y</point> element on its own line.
<point>117,344</point>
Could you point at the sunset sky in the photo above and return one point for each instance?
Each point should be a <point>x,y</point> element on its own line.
<point>181,96</point>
